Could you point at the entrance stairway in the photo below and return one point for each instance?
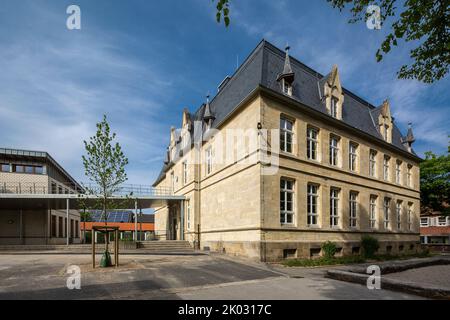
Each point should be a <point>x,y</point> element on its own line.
<point>166,247</point>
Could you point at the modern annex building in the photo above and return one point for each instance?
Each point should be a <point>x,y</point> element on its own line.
<point>343,169</point>
<point>36,221</point>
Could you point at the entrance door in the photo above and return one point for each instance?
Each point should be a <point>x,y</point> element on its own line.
<point>174,229</point>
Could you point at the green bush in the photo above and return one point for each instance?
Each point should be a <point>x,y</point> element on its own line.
<point>329,249</point>
<point>370,246</point>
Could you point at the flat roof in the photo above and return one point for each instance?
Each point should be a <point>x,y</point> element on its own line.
<point>38,154</point>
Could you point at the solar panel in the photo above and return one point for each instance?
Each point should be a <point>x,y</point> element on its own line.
<point>112,216</point>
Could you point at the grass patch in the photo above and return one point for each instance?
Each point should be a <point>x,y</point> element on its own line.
<point>324,261</point>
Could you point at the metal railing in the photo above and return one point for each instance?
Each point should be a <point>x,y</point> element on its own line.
<point>27,188</point>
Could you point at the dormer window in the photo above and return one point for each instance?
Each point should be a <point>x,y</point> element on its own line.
<point>287,88</point>
<point>333,107</point>
<point>332,94</point>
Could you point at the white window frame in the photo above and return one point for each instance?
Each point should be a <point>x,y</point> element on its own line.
<point>353,157</point>
<point>312,141</point>
<point>334,208</point>
<point>287,88</point>
<point>208,156</point>
<point>410,215</point>
<point>334,151</point>
<point>409,176</point>
<point>398,172</point>
<point>398,211</point>
<point>285,133</point>
<point>185,172</point>
<point>425,222</point>
<point>334,107</point>
<point>287,192</point>
<point>386,212</point>
<point>386,160</point>
<point>312,205</point>
<point>373,163</point>
<point>373,212</point>
<point>439,224</point>
<point>353,204</point>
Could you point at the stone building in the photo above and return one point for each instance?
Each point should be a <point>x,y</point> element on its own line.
<point>284,159</point>
<point>40,219</point>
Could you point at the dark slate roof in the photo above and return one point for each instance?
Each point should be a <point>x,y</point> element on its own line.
<point>262,69</point>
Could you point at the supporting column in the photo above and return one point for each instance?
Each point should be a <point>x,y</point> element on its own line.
<point>21,226</point>
<point>68,222</point>
<point>135,219</point>
<point>182,220</point>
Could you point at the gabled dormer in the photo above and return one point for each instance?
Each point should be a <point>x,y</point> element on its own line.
<point>385,121</point>
<point>185,135</point>
<point>333,95</point>
<point>287,77</point>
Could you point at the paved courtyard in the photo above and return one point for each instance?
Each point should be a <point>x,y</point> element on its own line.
<point>433,276</point>
<point>172,277</point>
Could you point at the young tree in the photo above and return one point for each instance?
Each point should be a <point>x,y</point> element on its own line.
<point>435,183</point>
<point>104,165</point>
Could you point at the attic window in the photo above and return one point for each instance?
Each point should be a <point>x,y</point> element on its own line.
<point>334,108</point>
<point>287,88</point>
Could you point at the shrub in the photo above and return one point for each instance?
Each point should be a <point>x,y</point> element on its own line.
<point>329,249</point>
<point>370,246</point>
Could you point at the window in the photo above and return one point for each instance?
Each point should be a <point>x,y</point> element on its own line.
<point>312,203</point>
<point>172,181</point>
<point>386,211</point>
<point>77,229</point>
<point>334,208</point>
<point>287,88</point>
<point>19,169</point>
<point>209,160</point>
<point>398,172</point>
<point>373,163</point>
<point>286,135</point>
<point>398,210</point>
<point>185,172</point>
<point>60,227</point>
<point>54,188</point>
<point>39,170</point>
<point>424,222</point>
<point>65,227</point>
<point>312,143</point>
<point>188,214</point>
<point>373,212</point>
<point>386,167</point>
<point>60,190</point>
<point>353,156</point>
<point>286,201</point>
<point>442,221</point>
<point>409,176</point>
<point>410,216</point>
<point>334,151</point>
<point>353,209</point>
<point>333,109</point>
<point>4,167</point>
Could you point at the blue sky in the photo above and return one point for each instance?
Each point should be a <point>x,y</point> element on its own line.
<point>141,62</point>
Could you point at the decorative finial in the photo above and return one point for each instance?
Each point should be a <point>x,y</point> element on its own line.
<point>287,47</point>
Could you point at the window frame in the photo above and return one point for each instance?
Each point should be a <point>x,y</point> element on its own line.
<point>426,223</point>
<point>312,143</point>
<point>285,192</point>
<point>185,172</point>
<point>398,214</point>
<point>312,202</point>
<point>208,158</point>
<point>386,167</point>
<point>386,213</point>
<point>353,156</point>
<point>334,107</point>
<point>285,133</point>
<point>334,207</point>
<point>409,183</point>
<point>334,151</point>
<point>410,215</point>
<point>398,172</point>
<point>373,212</point>
<point>373,163</point>
<point>353,212</point>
